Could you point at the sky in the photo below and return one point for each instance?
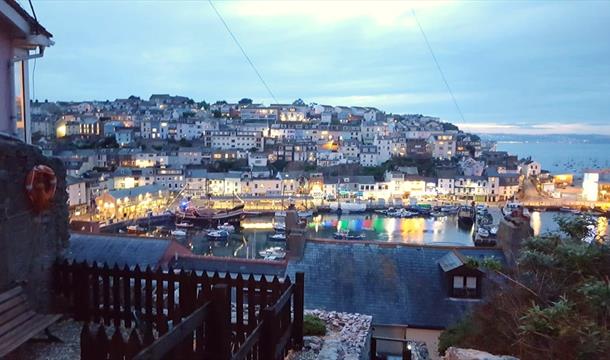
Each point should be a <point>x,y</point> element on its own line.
<point>514,67</point>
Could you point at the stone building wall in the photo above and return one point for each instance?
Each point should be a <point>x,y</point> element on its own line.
<point>29,242</point>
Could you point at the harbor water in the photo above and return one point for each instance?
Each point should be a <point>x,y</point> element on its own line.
<point>255,233</point>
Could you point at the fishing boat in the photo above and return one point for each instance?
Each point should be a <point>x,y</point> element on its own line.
<point>346,235</point>
<point>178,232</point>
<point>218,235</point>
<point>278,237</point>
<point>207,217</point>
<point>481,209</point>
<point>465,216</point>
<point>184,225</point>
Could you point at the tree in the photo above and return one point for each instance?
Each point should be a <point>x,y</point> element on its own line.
<point>298,102</point>
<point>555,303</point>
<point>245,102</point>
<point>203,104</point>
<point>217,114</point>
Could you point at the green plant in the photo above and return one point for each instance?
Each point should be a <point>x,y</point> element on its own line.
<point>313,326</point>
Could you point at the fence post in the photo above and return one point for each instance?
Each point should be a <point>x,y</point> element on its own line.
<point>82,290</point>
<point>218,330</point>
<point>267,340</point>
<point>299,303</point>
<point>373,348</point>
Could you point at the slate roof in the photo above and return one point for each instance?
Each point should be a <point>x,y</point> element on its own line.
<point>132,192</point>
<point>231,265</point>
<point>111,249</point>
<point>396,285</point>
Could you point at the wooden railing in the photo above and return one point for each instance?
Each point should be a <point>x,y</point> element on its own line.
<point>173,305</point>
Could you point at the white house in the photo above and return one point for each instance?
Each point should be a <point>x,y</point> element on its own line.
<point>442,146</point>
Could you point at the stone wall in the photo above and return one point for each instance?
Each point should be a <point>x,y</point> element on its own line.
<point>29,242</point>
<point>511,233</point>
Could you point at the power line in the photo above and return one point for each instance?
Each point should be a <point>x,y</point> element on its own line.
<point>438,66</point>
<point>243,51</point>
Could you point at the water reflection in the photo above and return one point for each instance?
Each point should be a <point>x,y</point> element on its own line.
<point>419,230</point>
<point>535,222</point>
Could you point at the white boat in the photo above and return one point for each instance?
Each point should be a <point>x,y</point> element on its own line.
<point>280,214</point>
<point>279,227</point>
<point>481,208</point>
<point>226,227</point>
<point>305,214</point>
<point>273,253</point>
<point>347,207</point>
<point>218,235</point>
<point>493,231</point>
<point>178,232</point>
<point>184,225</point>
<point>482,232</point>
<point>512,206</point>
<point>278,237</point>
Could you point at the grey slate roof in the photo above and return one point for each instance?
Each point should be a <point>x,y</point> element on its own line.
<point>396,285</point>
<point>232,265</point>
<point>111,249</point>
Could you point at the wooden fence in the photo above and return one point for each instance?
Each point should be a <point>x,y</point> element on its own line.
<point>262,318</point>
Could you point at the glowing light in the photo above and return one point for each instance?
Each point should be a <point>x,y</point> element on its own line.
<point>535,222</point>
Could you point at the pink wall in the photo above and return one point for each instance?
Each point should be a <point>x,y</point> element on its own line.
<point>6,52</point>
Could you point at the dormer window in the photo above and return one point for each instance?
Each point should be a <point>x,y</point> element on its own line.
<point>463,281</point>
<point>465,287</point>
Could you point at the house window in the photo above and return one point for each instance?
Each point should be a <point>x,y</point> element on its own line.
<point>465,287</point>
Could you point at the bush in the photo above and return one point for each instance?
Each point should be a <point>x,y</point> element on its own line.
<point>313,326</point>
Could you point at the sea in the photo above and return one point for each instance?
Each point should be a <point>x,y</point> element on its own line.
<point>559,154</point>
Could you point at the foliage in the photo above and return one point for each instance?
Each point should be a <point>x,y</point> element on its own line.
<point>313,326</point>
<point>203,104</point>
<point>245,101</point>
<point>555,303</point>
<point>298,102</point>
<point>217,114</point>
<point>448,126</point>
<point>227,165</point>
<point>279,165</point>
<point>184,143</point>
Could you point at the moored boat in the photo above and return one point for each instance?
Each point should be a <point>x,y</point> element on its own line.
<point>346,235</point>
<point>136,229</point>
<point>209,217</point>
<point>184,225</point>
<point>218,235</point>
<point>178,232</point>
<point>278,237</point>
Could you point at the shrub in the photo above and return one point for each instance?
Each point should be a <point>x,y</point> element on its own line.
<point>313,326</point>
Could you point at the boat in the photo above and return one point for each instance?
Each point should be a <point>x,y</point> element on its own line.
<point>273,253</point>
<point>481,209</point>
<point>226,227</point>
<point>305,213</point>
<point>278,237</point>
<point>482,232</point>
<point>346,235</point>
<point>218,235</point>
<point>184,225</point>
<point>279,227</point>
<point>178,232</point>
<point>493,231</point>
<point>347,207</point>
<point>450,209</point>
<point>465,216</point>
<point>207,217</point>
<point>512,206</point>
<point>136,229</point>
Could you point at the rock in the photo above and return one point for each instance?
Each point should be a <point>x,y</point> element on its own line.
<point>454,353</point>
